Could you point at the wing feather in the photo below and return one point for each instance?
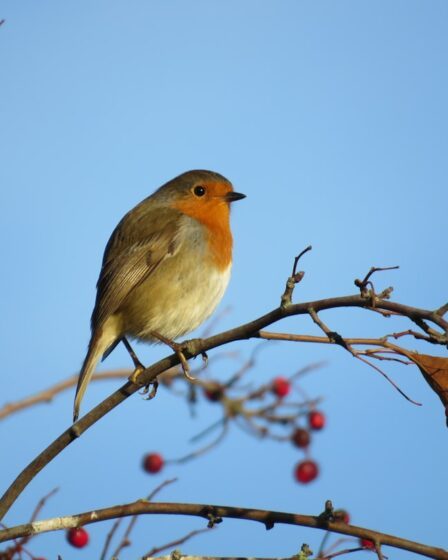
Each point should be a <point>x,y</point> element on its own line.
<point>136,248</point>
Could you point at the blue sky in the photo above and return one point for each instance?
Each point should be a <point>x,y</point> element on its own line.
<point>332,118</point>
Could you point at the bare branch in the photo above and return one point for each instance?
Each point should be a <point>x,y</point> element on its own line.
<point>47,395</point>
<point>150,374</point>
<point>294,279</point>
<point>208,512</point>
<point>363,283</point>
<point>347,343</point>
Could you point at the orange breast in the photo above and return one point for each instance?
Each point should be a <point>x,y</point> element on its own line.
<point>214,215</point>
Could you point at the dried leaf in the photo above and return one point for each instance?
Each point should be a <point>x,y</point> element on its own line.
<point>434,370</point>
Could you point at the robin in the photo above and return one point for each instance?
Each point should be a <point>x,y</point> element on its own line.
<point>165,268</point>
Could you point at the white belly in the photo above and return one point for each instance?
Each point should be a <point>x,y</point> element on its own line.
<point>179,306</point>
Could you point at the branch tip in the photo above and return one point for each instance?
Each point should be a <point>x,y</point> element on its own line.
<point>362,284</point>
<point>298,257</point>
<point>305,552</point>
<point>442,310</point>
<point>294,279</point>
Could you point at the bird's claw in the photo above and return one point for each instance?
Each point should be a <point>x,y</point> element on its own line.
<point>204,358</point>
<point>153,393</point>
<point>184,363</point>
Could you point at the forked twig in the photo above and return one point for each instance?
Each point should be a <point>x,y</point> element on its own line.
<point>125,539</point>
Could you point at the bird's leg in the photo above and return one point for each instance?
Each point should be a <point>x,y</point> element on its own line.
<point>191,347</point>
<point>139,367</point>
<point>179,350</point>
<point>134,358</point>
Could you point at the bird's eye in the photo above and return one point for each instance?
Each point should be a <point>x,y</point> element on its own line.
<point>199,190</point>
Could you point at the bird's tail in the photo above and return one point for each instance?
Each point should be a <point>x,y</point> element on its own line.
<point>98,345</point>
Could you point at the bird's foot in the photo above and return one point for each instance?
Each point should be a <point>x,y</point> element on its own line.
<point>134,378</point>
<point>180,349</point>
<point>153,393</point>
<point>191,346</point>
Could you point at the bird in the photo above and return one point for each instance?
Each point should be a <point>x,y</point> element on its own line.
<point>165,268</point>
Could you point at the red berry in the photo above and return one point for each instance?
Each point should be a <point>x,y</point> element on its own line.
<point>78,537</point>
<point>301,437</point>
<point>306,471</point>
<point>316,420</point>
<point>281,387</point>
<point>214,392</point>
<point>367,543</point>
<point>153,463</point>
<point>342,515</point>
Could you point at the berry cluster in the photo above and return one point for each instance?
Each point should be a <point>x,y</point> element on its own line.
<point>280,388</point>
<point>307,470</point>
<point>302,425</point>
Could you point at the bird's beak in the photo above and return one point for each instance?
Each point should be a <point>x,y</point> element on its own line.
<point>232,196</point>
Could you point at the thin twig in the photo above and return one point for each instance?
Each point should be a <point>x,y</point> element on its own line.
<point>297,259</point>
<point>205,449</point>
<point>442,310</point>
<point>378,550</point>
<point>347,343</point>
<point>109,537</point>
<point>294,279</point>
<point>177,542</point>
<point>340,553</point>
<point>248,364</point>
<point>384,374</point>
<point>125,539</point>
<point>363,283</point>
<point>41,503</point>
<point>47,395</point>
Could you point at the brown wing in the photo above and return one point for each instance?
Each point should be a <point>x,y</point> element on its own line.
<point>140,242</point>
